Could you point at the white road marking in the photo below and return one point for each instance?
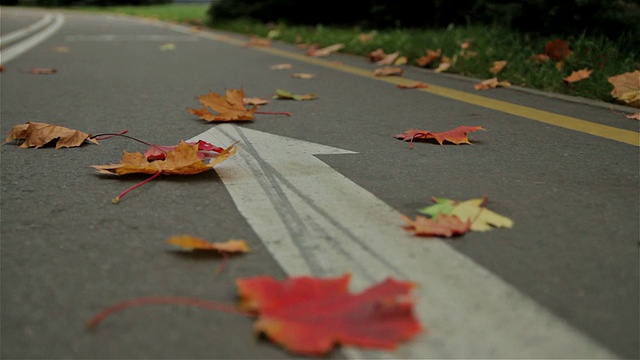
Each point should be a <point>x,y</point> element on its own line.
<point>18,49</point>
<point>315,221</point>
<point>6,40</point>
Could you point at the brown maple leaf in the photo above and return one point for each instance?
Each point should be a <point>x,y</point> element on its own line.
<point>445,225</point>
<point>189,242</point>
<point>429,58</point>
<point>388,71</point>
<point>497,66</point>
<point>491,84</point>
<point>626,88</point>
<point>36,134</point>
<point>577,76</point>
<point>416,85</point>
<point>325,51</point>
<point>457,136</point>
<point>183,160</point>
<point>228,108</point>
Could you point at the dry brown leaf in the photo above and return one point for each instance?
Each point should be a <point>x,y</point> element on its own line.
<point>281,67</point>
<point>429,58</point>
<point>366,37</point>
<point>255,101</point>
<point>42,71</point>
<point>183,160</point>
<point>626,88</point>
<point>497,67</point>
<point>445,64</point>
<point>229,108</point>
<point>60,49</point>
<point>388,71</point>
<point>417,85</point>
<point>189,242</point>
<point>376,55</point>
<point>388,59</point>
<point>36,134</point>
<point>258,41</point>
<point>325,51</point>
<point>303,76</point>
<point>491,84</point>
<point>577,75</point>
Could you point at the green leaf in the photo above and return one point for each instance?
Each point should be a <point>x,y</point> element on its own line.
<point>442,206</point>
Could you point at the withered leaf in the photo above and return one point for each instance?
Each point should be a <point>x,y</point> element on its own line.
<point>283,94</point>
<point>183,160</point>
<point>577,75</point>
<point>491,84</point>
<point>497,66</point>
<point>429,57</point>
<point>388,71</point>
<point>457,136</point>
<point>37,134</point>
<point>416,85</point>
<point>325,51</point>
<point>189,242</point>
<point>445,225</point>
<point>228,108</point>
<point>626,88</point>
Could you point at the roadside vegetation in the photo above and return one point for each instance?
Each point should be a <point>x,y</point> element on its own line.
<point>602,55</point>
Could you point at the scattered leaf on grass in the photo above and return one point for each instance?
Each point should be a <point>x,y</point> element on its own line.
<point>388,71</point>
<point>366,37</point>
<point>626,88</point>
<point>189,242</point>
<point>497,67</point>
<point>577,76</point>
<point>491,84</point>
<point>557,50</point>
<point>444,225</point>
<point>309,316</point>
<point>229,108</point>
<point>283,94</point>
<point>427,59</point>
<point>445,64</point>
<point>36,134</point>
<point>457,136</point>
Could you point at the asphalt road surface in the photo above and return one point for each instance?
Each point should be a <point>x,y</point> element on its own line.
<point>319,192</point>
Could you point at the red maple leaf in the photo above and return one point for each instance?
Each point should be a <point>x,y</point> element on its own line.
<point>457,136</point>
<point>310,315</point>
<point>557,49</point>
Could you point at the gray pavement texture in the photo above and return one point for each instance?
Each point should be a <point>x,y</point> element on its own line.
<point>67,252</point>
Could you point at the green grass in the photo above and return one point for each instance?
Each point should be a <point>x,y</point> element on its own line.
<point>194,14</point>
<point>490,43</point>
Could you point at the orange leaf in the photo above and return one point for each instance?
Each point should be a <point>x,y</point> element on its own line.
<point>36,134</point>
<point>258,41</point>
<point>42,71</point>
<point>491,84</point>
<point>577,75</point>
<point>444,225</point>
<point>254,101</point>
<point>445,64</point>
<point>189,242</point>
<point>626,88</point>
<point>417,85</point>
<point>229,108</point>
<point>430,57</point>
<point>325,51</point>
<point>302,76</point>
<point>183,160</point>
<point>457,136</point>
<point>388,71</point>
<point>310,315</point>
<point>497,66</point>
<point>281,67</point>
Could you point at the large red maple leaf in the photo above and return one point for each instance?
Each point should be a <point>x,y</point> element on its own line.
<point>457,136</point>
<point>310,315</point>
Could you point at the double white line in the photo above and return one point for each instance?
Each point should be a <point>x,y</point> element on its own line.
<point>17,42</point>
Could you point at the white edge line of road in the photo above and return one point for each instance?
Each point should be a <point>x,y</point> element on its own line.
<point>18,49</point>
<point>19,34</point>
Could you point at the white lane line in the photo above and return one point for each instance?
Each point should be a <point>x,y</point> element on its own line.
<point>14,36</point>
<point>18,49</point>
<point>315,221</point>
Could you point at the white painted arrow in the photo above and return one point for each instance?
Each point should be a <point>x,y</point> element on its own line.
<point>315,221</point>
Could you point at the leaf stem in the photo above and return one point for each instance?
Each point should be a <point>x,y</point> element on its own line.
<point>272,113</point>
<point>110,135</point>
<point>165,300</point>
<point>119,197</point>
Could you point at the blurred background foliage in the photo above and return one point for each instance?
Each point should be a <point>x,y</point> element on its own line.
<point>610,18</point>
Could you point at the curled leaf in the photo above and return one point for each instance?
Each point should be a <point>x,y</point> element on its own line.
<point>227,108</point>
<point>283,94</point>
<point>36,134</point>
<point>189,242</point>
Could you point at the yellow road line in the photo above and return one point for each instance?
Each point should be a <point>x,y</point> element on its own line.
<point>567,122</point>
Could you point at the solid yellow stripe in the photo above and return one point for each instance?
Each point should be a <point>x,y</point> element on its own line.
<point>568,122</point>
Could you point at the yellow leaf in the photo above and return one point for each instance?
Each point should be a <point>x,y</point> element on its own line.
<point>482,219</point>
<point>189,242</point>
